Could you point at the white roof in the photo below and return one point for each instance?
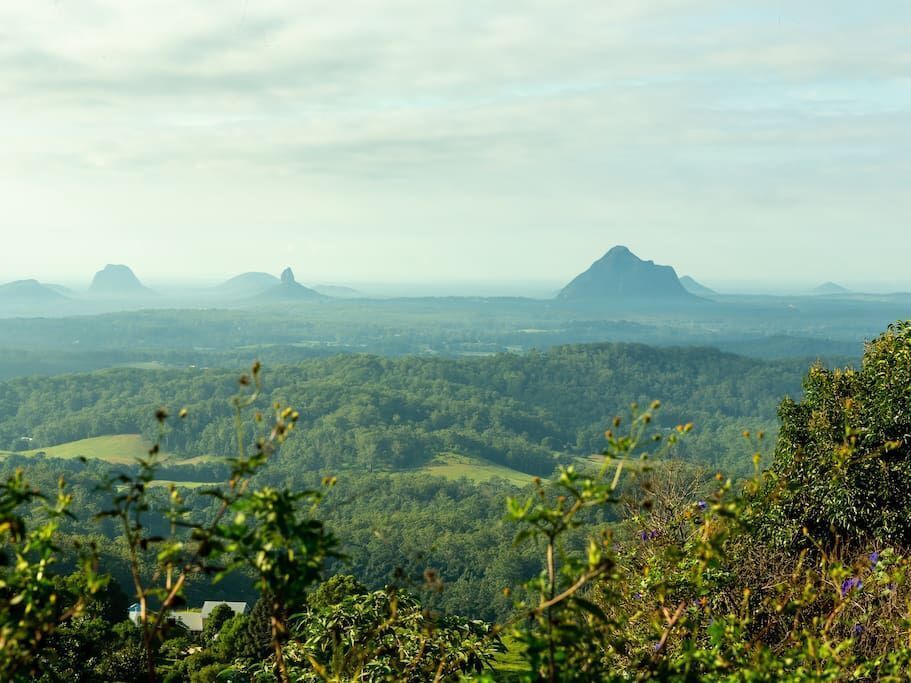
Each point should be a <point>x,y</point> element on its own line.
<point>192,620</point>
<point>209,605</point>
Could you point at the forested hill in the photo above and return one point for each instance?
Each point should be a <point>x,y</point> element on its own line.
<point>367,412</point>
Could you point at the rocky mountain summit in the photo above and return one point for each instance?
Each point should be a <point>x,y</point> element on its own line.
<point>117,280</point>
<point>619,275</point>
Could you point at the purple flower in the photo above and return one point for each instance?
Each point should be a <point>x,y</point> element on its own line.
<point>702,505</point>
<point>874,557</point>
<point>850,584</point>
<point>657,646</point>
<point>643,535</point>
<point>638,596</point>
<point>858,629</point>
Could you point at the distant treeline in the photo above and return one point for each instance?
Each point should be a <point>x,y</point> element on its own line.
<point>449,327</point>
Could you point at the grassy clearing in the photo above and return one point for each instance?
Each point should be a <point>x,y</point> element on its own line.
<point>183,484</point>
<point>454,466</point>
<point>512,660</point>
<point>126,448</point>
<point>118,449</point>
<point>145,365</point>
<point>199,459</point>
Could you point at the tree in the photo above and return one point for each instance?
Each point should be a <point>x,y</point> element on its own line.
<point>217,618</point>
<point>33,604</point>
<point>842,466</point>
<point>383,635</point>
<point>257,630</point>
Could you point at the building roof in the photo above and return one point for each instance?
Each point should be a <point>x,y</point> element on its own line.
<point>209,605</point>
<point>191,620</point>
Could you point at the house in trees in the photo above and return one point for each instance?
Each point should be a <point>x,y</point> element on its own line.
<point>192,619</point>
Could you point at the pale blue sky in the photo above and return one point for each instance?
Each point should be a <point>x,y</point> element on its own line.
<point>404,140</point>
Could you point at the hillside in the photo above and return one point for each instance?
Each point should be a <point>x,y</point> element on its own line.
<point>695,287</point>
<point>29,292</point>
<point>114,448</point>
<point>288,289</point>
<point>339,291</point>
<point>247,284</point>
<point>526,412</point>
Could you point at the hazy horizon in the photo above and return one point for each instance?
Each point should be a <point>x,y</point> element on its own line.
<point>455,142</point>
<point>491,287</point>
<point>746,284</point>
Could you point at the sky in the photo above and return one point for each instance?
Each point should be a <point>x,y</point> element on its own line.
<point>456,141</point>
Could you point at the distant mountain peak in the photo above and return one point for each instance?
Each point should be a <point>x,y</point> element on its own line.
<point>830,288</point>
<point>116,279</point>
<point>620,250</point>
<point>288,289</point>
<point>620,274</point>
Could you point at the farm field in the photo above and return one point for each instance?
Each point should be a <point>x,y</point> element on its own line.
<point>161,483</point>
<point>120,449</point>
<point>116,448</point>
<point>453,466</point>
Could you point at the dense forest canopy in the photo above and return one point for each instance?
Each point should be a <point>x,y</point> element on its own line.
<point>527,411</point>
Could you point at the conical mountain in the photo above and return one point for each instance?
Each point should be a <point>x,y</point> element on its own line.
<point>621,275</point>
<point>289,289</point>
<point>117,280</point>
<point>830,288</point>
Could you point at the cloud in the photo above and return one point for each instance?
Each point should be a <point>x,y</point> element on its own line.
<point>694,112</point>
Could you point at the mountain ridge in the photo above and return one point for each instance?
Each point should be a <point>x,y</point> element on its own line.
<point>29,291</point>
<point>248,284</point>
<point>693,286</point>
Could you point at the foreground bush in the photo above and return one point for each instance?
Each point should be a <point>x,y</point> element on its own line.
<point>798,575</point>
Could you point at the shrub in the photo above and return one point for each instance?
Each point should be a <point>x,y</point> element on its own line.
<point>842,467</point>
